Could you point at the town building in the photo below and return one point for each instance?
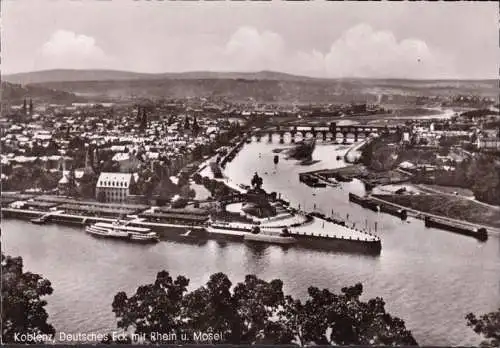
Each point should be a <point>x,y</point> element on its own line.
<point>488,143</point>
<point>114,187</point>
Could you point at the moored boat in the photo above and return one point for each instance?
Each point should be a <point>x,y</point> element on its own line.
<point>270,237</point>
<point>38,221</point>
<point>480,234</point>
<point>118,230</point>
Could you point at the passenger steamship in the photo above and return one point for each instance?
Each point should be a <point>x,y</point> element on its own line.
<point>120,230</point>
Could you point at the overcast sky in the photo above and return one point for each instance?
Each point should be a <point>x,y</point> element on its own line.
<point>317,38</point>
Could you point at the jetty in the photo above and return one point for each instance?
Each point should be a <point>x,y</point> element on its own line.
<point>46,217</point>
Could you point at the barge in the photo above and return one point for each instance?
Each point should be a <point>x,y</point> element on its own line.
<point>480,234</point>
<point>395,211</point>
<point>311,181</point>
<point>364,202</point>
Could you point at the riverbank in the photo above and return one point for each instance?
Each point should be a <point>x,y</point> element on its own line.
<point>315,232</point>
<point>454,208</point>
<point>415,260</point>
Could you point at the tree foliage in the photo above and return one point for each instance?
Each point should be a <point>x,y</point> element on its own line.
<point>33,176</point>
<point>23,310</point>
<point>488,326</point>
<point>256,311</point>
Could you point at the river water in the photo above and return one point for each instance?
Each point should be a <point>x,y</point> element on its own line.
<point>429,278</point>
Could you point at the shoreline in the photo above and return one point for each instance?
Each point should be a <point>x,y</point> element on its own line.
<point>369,244</point>
<point>420,215</point>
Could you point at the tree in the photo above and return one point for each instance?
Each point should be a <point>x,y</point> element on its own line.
<point>23,310</point>
<point>488,325</point>
<point>155,307</point>
<point>19,178</point>
<point>49,181</point>
<point>256,311</point>
<point>110,166</point>
<point>328,318</point>
<point>187,192</point>
<point>101,196</point>
<point>87,184</point>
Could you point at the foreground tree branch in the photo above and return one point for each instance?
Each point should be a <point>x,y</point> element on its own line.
<point>256,311</point>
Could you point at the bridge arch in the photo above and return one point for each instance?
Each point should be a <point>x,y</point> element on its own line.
<point>339,137</point>
<point>361,136</point>
<point>350,136</point>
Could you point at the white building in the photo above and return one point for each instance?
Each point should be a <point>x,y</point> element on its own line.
<point>114,187</point>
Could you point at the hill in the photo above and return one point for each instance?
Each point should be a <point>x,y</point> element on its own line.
<point>263,86</point>
<point>267,90</point>
<point>67,75</point>
<point>15,93</point>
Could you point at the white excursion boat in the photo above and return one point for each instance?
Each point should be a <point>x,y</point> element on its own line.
<point>120,230</point>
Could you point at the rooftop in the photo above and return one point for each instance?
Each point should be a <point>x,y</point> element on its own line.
<point>119,180</point>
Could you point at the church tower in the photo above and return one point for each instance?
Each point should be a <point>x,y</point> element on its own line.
<point>24,107</point>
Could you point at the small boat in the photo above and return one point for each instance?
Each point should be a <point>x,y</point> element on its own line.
<point>269,237</point>
<point>38,221</point>
<point>120,230</point>
<point>187,234</point>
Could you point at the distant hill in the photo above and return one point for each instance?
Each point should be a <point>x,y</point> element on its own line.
<point>66,75</point>
<point>15,93</point>
<point>263,86</point>
<point>276,91</point>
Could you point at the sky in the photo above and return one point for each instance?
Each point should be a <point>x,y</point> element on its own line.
<point>421,40</point>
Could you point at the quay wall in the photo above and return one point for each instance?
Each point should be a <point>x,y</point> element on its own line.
<point>444,223</point>
<point>339,245</point>
<point>174,232</point>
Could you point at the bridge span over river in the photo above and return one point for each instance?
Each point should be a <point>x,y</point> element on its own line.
<point>327,132</point>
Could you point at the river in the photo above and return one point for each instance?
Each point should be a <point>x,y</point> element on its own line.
<point>429,278</point>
